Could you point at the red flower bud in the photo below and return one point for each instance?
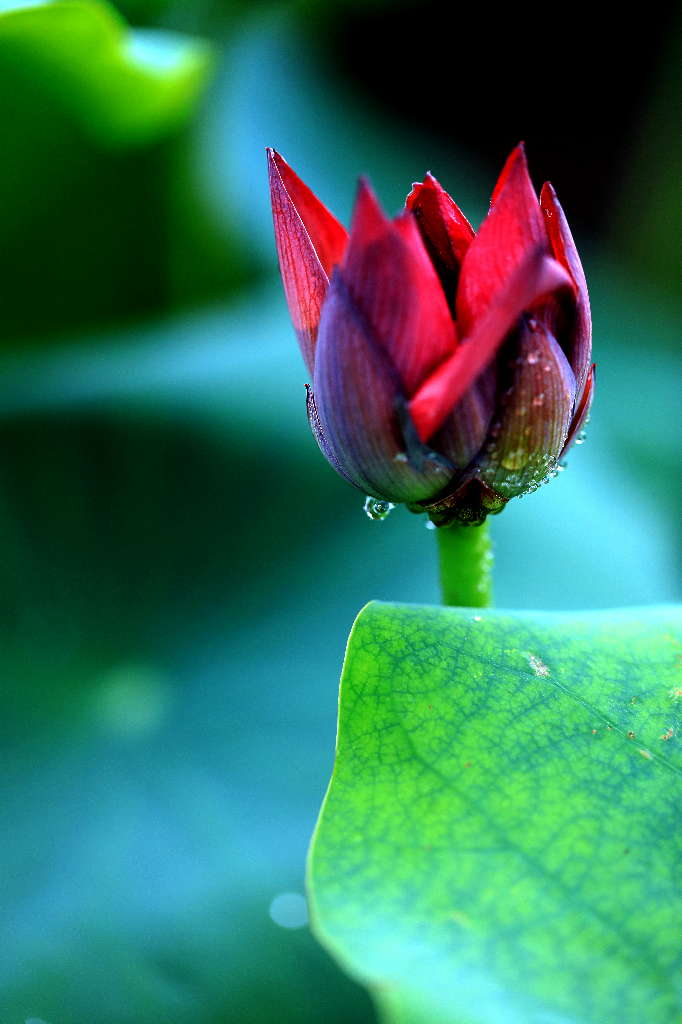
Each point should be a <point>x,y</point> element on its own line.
<point>451,370</point>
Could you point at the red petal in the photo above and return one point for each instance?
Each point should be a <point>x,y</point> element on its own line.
<point>510,166</point>
<point>566,253</point>
<point>309,241</point>
<point>446,232</point>
<point>329,237</point>
<point>537,276</point>
<point>513,229</point>
<point>396,289</point>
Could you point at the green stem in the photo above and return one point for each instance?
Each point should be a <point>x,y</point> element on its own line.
<point>466,562</point>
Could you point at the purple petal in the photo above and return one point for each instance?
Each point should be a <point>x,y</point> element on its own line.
<point>357,396</point>
<point>582,411</point>
<point>526,440</point>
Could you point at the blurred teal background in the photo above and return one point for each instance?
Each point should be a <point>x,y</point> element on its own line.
<point>180,566</point>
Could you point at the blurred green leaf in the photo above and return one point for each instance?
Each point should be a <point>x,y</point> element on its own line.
<point>501,837</point>
<point>124,86</point>
<point>101,212</point>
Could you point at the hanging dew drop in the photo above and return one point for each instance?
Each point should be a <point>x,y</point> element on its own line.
<point>430,525</point>
<point>377,509</point>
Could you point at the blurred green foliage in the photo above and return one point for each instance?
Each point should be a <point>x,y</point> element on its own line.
<point>101,217</point>
<point>124,87</point>
<point>181,568</point>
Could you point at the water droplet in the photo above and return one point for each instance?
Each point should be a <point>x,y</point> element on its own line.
<point>429,525</point>
<point>580,439</point>
<point>400,457</point>
<point>533,326</point>
<point>539,399</point>
<point>376,508</point>
<point>515,459</point>
<point>533,358</point>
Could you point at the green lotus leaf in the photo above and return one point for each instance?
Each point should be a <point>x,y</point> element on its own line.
<point>501,842</point>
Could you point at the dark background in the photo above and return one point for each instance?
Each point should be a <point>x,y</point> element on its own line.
<point>180,566</point>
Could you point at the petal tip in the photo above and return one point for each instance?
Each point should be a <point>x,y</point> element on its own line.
<point>547,192</point>
<point>515,173</point>
<point>368,216</point>
<point>275,160</point>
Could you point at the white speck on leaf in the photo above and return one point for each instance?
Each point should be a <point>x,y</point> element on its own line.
<point>537,665</point>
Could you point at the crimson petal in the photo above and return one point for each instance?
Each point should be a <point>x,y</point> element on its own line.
<point>565,252</point>
<point>394,285</point>
<point>328,235</point>
<point>446,232</point>
<point>310,242</point>
<point>512,230</point>
<point>539,275</point>
<point>357,397</point>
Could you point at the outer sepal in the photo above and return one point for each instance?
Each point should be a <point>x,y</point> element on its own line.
<point>582,412</point>
<point>358,394</point>
<point>533,416</point>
